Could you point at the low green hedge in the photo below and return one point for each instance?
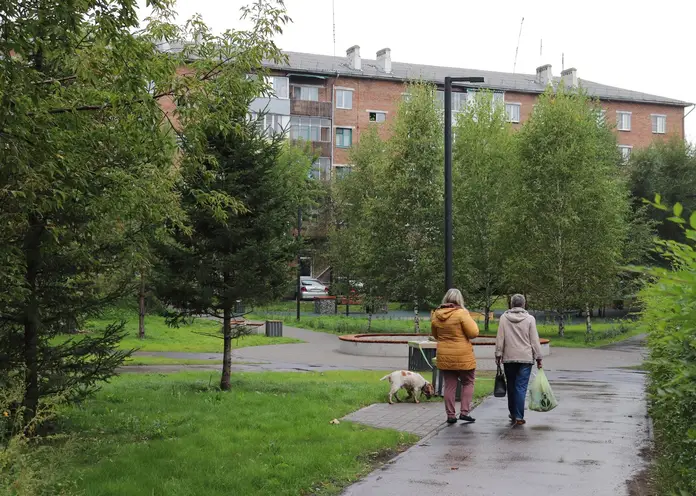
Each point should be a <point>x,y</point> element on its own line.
<point>670,319</point>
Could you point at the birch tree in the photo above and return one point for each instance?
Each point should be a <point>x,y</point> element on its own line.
<point>570,205</point>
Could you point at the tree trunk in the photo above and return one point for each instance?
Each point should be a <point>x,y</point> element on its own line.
<point>588,330</point>
<point>561,324</point>
<point>227,349</point>
<point>416,318</point>
<point>369,321</point>
<point>486,317</point>
<point>32,322</point>
<point>141,316</point>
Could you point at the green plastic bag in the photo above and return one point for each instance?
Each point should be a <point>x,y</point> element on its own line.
<point>541,398</point>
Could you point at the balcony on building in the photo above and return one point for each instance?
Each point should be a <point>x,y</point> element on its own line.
<point>309,96</point>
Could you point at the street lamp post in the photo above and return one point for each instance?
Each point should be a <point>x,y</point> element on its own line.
<point>449,269</point>
<point>299,260</point>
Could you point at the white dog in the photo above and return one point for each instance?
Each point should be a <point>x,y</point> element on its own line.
<point>412,382</point>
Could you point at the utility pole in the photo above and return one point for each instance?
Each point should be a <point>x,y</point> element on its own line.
<point>449,270</point>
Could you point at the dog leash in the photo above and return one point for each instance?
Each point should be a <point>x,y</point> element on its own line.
<point>424,357</point>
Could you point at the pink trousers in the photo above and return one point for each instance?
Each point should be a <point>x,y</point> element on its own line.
<point>467,377</point>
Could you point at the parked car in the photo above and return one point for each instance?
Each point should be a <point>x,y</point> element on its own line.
<point>311,288</point>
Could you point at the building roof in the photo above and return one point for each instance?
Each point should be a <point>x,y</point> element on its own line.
<point>310,63</point>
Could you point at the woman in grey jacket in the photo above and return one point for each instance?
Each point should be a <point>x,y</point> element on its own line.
<point>517,347</point>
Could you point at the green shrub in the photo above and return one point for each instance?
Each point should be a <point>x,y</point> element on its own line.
<point>670,318</point>
<point>23,467</point>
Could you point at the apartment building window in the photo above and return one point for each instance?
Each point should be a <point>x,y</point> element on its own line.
<point>276,123</point>
<point>601,116</point>
<point>280,86</point>
<point>377,116</point>
<point>321,169</point>
<point>625,151</point>
<point>308,93</point>
<point>344,137</point>
<point>310,128</point>
<point>659,123</point>
<point>513,112</point>
<point>623,121</point>
<point>344,99</point>
<point>406,97</point>
<point>342,171</point>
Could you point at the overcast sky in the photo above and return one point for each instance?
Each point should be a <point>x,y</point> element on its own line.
<point>616,42</point>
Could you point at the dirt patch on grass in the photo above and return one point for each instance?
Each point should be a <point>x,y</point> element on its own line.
<point>643,483</point>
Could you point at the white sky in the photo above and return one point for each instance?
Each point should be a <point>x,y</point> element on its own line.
<point>616,42</point>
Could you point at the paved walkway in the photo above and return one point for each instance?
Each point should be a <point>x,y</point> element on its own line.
<point>319,352</point>
<point>420,419</point>
<point>589,445</point>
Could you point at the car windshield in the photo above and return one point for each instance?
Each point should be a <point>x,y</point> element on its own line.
<point>310,282</point>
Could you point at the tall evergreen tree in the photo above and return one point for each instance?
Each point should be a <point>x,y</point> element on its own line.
<point>242,204</point>
<point>87,160</point>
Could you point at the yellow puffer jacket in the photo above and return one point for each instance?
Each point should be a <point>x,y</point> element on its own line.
<point>453,328</point>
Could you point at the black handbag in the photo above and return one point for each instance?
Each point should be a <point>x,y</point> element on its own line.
<point>500,389</point>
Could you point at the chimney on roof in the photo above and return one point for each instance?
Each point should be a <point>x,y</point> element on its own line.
<point>384,60</point>
<point>353,54</point>
<point>543,74</point>
<point>570,77</point>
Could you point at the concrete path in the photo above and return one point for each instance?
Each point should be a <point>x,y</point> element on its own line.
<point>317,352</point>
<point>589,445</point>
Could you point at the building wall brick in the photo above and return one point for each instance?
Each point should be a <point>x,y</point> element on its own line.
<point>386,96</point>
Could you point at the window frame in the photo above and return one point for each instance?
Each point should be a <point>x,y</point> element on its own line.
<point>623,155</point>
<point>304,88</point>
<point>346,170</point>
<point>654,119</point>
<point>377,113</point>
<point>319,171</point>
<point>619,120</point>
<point>343,92</point>
<point>297,122</point>
<point>343,130</point>
<point>273,87</point>
<point>518,105</point>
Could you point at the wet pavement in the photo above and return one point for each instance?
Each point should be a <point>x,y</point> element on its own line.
<point>319,352</point>
<point>589,445</point>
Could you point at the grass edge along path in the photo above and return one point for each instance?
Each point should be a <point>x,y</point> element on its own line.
<point>176,435</point>
<point>605,332</point>
<point>198,337</point>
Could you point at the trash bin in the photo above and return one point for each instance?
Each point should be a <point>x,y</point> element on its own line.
<point>274,328</point>
<point>420,353</point>
<point>238,307</point>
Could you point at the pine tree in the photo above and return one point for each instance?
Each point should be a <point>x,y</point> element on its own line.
<point>242,205</point>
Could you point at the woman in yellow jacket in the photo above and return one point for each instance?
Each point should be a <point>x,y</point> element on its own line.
<point>453,329</point>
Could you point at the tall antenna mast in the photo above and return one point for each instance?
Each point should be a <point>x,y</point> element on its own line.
<point>333,14</point>
<point>514,66</point>
<point>562,61</point>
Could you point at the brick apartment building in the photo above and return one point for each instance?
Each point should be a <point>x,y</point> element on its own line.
<point>329,101</point>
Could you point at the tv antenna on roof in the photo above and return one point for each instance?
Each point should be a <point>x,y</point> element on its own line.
<point>514,66</point>
<point>333,15</point>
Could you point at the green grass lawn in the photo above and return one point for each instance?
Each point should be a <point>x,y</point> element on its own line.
<point>175,435</point>
<point>308,306</point>
<point>605,332</point>
<point>160,337</point>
